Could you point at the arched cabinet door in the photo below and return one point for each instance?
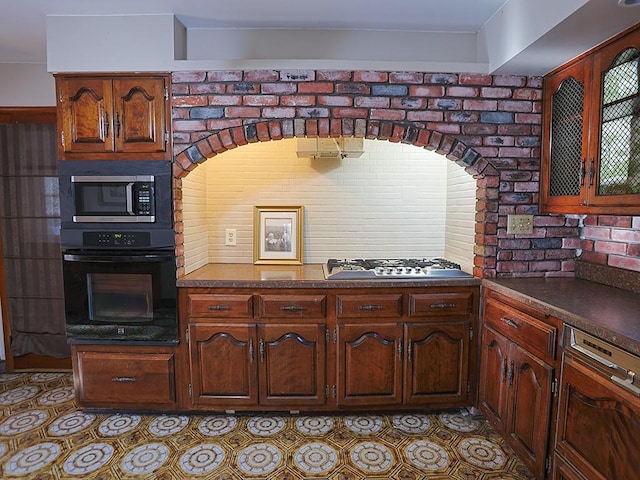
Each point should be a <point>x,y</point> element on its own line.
<point>590,146</point>
<point>436,363</point>
<point>122,117</point>
<point>85,115</point>
<point>369,364</point>
<point>598,423</point>
<point>223,364</point>
<point>292,364</point>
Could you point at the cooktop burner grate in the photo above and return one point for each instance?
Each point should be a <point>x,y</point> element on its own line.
<point>400,268</point>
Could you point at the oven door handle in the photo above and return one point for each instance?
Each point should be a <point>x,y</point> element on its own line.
<point>146,258</point>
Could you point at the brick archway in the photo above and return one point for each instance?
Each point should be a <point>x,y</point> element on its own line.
<point>486,175</point>
<point>491,124</point>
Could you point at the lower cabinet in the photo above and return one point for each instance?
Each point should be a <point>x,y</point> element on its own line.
<point>403,364</point>
<point>517,382</point>
<point>108,376</point>
<point>249,365</point>
<point>598,425</point>
<point>369,365</point>
<point>326,350</point>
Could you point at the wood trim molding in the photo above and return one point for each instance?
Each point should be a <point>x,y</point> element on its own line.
<point>27,114</point>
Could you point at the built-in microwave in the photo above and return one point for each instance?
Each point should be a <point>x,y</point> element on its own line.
<point>119,195</point>
<point>114,198</point>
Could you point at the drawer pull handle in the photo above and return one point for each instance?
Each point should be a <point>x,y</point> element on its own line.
<point>218,307</point>
<point>370,307</point>
<point>291,308</point>
<point>442,305</point>
<point>627,384</point>
<point>511,323</point>
<point>124,379</point>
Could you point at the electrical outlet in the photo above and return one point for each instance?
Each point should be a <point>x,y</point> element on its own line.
<point>230,237</point>
<point>520,224</point>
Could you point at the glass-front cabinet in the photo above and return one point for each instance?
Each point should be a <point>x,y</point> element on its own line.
<point>591,131</point>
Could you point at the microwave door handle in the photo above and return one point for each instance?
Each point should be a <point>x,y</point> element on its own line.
<point>146,258</point>
<point>129,190</point>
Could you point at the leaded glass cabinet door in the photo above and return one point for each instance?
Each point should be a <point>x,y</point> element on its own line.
<point>617,147</point>
<point>566,134</point>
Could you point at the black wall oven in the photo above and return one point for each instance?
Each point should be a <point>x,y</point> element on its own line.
<point>118,252</point>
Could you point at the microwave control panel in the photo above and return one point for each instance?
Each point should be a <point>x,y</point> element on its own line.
<point>144,199</point>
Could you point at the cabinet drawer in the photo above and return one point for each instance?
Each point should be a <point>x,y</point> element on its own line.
<point>536,336</point>
<point>369,305</point>
<point>287,306</point>
<point>211,305</point>
<point>439,304</point>
<point>125,378</point>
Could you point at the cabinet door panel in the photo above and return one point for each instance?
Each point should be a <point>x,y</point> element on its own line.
<point>139,114</point>
<point>370,364</point>
<point>530,407</point>
<point>493,377</point>
<point>292,364</point>
<point>223,364</point>
<point>598,424</point>
<point>85,115</point>
<point>436,363</point>
<point>615,92</point>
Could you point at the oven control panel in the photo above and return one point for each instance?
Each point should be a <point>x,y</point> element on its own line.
<point>116,239</point>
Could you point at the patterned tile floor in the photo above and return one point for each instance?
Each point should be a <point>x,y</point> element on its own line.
<point>43,436</point>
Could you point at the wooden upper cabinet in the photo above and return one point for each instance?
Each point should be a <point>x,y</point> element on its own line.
<point>591,151</point>
<point>124,117</point>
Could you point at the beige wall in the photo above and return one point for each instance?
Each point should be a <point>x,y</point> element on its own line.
<point>26,85</point>
<point>390,202</point>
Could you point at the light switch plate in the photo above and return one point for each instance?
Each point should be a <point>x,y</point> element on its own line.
<point>520,224</point>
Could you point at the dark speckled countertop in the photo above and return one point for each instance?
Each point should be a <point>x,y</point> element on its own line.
<point>246,275</point>
<point>612,314</point>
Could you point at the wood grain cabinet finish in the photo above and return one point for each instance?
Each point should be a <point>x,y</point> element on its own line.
<point>589,156</point>
<point>125,377</point>
<point>370,364</point>
<point>223,364</point>
<point>436,363</point>
<point>250,358</point>
<point>329,349</point>
<point>114,117</point>
<point>598,425</point>
<point>517,368</point>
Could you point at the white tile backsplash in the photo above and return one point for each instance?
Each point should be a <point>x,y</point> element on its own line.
<point>393,201</point>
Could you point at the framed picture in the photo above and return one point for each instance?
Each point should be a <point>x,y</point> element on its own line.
<point>277,235</point>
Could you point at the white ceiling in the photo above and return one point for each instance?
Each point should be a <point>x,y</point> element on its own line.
<point>23,23</point>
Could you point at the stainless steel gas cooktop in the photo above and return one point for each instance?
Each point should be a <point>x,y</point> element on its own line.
<point>400,268</point>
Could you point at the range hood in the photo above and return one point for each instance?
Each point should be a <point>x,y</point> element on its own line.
<point>341,147</point>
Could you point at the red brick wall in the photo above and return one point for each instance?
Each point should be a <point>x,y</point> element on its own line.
<point>490,124</point>
<point>612,240</point>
